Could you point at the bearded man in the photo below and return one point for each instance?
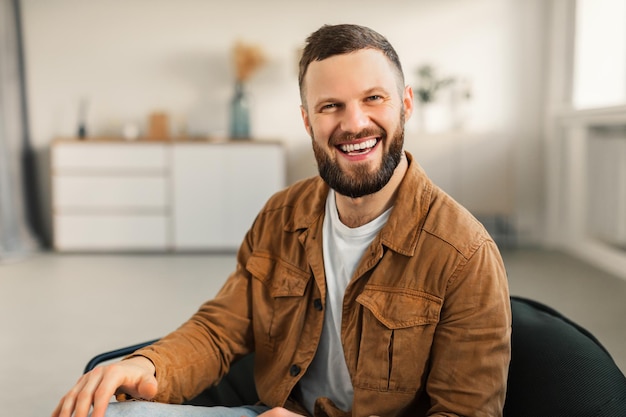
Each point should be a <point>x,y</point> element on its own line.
<point>364,291</point>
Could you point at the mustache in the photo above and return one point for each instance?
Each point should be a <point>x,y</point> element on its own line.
<point>342,137</point>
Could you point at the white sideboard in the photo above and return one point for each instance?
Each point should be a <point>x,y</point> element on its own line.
<point>218,190</point>
<point>156,196</point>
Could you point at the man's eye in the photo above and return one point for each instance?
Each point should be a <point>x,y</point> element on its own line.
<point>374,98</point>
<point>328,107</point>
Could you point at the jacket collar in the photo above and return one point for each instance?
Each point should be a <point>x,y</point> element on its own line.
<point>405,222</point>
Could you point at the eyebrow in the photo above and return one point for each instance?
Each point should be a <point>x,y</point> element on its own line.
<point>374,90</point>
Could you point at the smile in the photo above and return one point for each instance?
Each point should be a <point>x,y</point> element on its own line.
<point>358,148</point>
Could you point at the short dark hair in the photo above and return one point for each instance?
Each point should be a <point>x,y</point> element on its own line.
<point>331,40</point>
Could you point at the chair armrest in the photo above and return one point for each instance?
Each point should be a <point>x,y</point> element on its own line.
<point>114,354</point>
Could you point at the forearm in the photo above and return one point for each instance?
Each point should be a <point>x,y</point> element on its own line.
<point>202,349</point>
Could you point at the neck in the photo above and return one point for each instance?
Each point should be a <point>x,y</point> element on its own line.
<point>355,212</point>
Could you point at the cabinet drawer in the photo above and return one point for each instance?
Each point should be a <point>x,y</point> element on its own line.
<point>110,192</point>
<point>110,232</point>
<point>107,156</point>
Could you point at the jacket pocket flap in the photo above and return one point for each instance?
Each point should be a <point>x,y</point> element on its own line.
<point>399,308</point>
<point>281,278</point>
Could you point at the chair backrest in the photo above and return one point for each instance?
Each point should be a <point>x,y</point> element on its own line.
<point>558,368</point>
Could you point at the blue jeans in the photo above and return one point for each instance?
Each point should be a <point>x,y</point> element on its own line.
<point>150,409</point>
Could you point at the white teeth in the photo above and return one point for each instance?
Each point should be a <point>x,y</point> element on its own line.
<point>358,146</point>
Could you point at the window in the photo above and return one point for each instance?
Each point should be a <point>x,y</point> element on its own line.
<point>600,54</point>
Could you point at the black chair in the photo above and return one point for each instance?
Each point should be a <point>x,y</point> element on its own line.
<point>558,369</point>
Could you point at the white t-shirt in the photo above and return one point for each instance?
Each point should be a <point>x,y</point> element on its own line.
<point>343,247</point>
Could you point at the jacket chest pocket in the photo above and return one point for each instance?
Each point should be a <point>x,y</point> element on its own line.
<point>278,292</point>
<point>397,331</point>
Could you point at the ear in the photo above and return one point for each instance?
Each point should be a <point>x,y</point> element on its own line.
<point>306,120</point>
<point>407,101</point>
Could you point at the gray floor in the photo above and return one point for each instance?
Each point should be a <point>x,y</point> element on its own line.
<point>57,311</point>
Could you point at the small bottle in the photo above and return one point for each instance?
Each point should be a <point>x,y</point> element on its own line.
<point>82,119</point>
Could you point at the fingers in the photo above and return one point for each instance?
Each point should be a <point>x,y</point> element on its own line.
<point>96,387</point>
<point>134,376</point>
<point>86,396</point>
<point>78,400</point>
<point>103,392</point>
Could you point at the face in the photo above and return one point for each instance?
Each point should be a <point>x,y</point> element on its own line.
<point>354,111</point>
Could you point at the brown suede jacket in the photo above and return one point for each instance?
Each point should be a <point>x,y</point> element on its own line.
<point>426,318</point>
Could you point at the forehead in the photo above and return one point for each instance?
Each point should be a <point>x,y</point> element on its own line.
<point>350,73</point>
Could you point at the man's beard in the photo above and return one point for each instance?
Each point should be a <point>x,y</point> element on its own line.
<point>361,182</point>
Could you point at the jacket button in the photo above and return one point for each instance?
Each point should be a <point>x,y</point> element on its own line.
<point>294,370</point>
<point>317,303</point>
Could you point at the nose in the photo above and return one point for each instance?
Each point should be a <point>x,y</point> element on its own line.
<point>354,119</point>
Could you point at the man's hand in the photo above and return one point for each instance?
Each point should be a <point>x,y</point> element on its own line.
<point>279,412</point>
<point>134,376</point>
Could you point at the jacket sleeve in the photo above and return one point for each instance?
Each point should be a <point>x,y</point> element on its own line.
<point>471,348</point>
<point>200,352</point>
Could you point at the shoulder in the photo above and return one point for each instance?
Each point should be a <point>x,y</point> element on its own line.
<point>452,223</point>
<point>437,216</point>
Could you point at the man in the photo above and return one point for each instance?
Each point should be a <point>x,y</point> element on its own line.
<point>367,291</point>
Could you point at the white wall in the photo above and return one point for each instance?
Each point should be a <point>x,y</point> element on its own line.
<point>131,57</point>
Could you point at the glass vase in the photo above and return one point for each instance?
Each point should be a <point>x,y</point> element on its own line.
<point>240,113</point>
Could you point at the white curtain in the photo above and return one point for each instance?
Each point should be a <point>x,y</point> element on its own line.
<point>16,236</point>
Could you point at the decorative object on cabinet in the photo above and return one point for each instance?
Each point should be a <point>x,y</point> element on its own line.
<point>430,83</point>
<point>240,113</point>
<point>442,101</point>
<point>82,119</point>
<point>247,60</point>
<point>116,195</point>
<point>130,131</point>
<point>158,126</point>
